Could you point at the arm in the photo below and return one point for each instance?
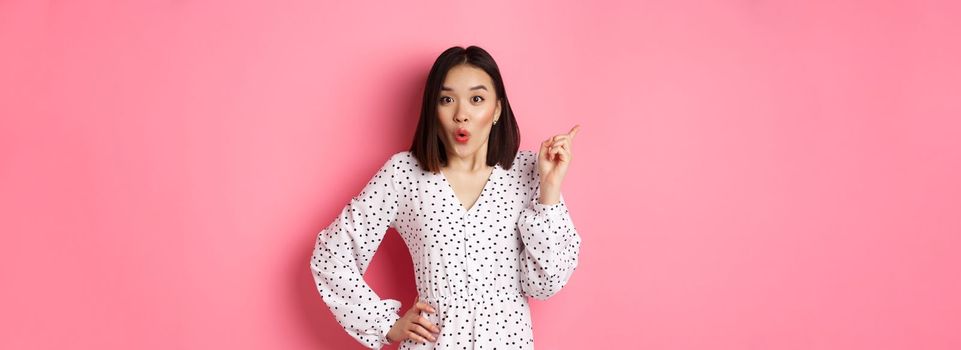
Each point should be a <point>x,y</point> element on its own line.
<point>342,253</point>
<point>551,246</point>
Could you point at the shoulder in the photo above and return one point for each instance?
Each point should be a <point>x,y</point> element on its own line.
<point>526,154</point>
<point>404,165</point>
<point>525,159</point>
<point>401,156</point>
<point>401,160</point>
<point>396,170</point>
<point>525,163</point>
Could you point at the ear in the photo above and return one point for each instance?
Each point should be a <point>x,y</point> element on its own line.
<point>497,111</point>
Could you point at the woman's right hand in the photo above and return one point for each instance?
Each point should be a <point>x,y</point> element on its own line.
<point>413,325</point>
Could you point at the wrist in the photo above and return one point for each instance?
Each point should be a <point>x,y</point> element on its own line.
<point>549,196</point>
<point>387,339</point>
<point>549,183</point>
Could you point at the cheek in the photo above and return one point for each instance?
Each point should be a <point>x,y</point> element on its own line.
<point>443,114</point>
<point>489,112</point>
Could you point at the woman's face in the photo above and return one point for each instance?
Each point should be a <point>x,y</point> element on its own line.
<point>467,108</point>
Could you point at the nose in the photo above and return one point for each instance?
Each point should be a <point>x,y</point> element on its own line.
<point>460,116</point>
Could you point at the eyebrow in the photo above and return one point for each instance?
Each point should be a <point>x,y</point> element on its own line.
<point>478,87</point>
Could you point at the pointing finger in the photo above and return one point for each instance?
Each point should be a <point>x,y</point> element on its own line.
<point>574,130</point>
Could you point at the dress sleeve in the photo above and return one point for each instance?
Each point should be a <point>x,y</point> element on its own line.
<point>342,253</point>
<point>551,246</point>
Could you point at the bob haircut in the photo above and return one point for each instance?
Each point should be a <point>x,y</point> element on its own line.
<point>505,136</point>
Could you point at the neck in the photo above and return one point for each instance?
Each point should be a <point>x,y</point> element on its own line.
<point>476,161</point>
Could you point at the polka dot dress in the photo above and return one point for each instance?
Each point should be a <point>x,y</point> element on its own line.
<point>476,267</point>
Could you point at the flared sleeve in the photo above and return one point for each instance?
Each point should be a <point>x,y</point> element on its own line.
<point>551,246</point>
<point>342,253</point>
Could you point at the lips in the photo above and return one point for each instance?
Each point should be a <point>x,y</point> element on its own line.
<point>461,135</point>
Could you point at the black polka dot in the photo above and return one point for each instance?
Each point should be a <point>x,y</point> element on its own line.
<point>476,267</point>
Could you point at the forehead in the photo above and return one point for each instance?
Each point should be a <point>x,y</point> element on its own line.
<point>463,76</point>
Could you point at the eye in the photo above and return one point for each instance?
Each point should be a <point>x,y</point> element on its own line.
<point>477,99</point>
<point>445,100</point>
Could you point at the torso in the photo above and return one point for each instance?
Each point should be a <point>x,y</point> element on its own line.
<point>468,186</point>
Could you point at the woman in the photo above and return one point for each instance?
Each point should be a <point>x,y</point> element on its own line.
<point>486,225</point>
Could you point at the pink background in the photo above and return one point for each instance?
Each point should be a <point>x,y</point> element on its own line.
<point>749,174</point>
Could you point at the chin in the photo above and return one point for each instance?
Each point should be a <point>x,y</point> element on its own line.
<point>463,149</point>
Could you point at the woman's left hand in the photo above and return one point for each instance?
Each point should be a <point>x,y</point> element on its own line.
<point>553,160</point>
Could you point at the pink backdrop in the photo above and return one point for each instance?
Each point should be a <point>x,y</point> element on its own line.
<point>749,174</point>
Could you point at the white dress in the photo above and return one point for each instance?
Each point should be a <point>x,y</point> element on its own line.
<point>476,267</point>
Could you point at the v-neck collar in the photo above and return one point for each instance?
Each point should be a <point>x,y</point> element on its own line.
<point>487,185</point>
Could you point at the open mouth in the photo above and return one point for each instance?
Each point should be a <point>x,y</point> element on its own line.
<point>461,135</point>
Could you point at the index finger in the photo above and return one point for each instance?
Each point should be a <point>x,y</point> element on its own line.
<point>423,305</point>
<point>574,130</point>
